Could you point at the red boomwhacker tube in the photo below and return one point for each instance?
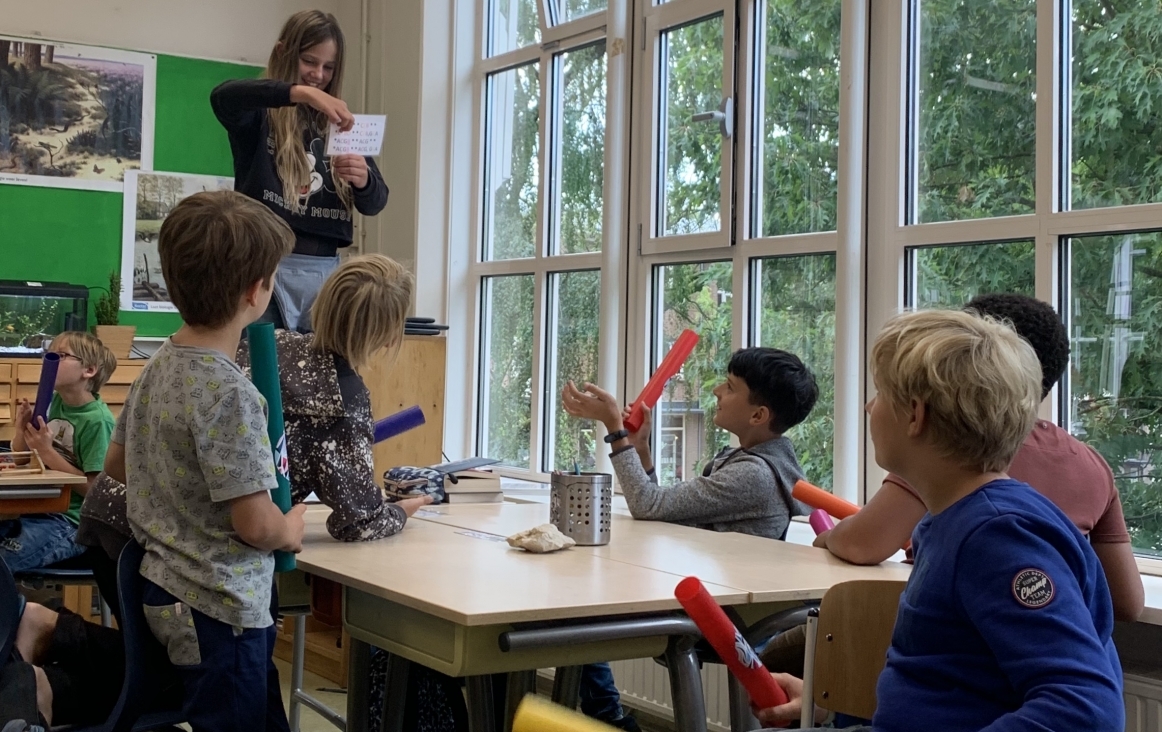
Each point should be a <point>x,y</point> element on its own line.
<point>818,498</point>
<point>729,644</point>
<point>670,365</point>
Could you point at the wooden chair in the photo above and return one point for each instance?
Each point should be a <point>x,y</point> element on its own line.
<point>847,647</point>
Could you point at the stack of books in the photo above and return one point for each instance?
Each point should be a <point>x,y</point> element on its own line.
<point>473,486</point>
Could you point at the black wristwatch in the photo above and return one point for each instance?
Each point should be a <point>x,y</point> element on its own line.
<point>613,437</point>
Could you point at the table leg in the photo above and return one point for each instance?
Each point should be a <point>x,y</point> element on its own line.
<point>741,718</point>
<point>567,686</point>
<point>685,685</point>
<point>520,684</point>
<point>481,709</point>
<point>358,686</point>
<point>395,694</point>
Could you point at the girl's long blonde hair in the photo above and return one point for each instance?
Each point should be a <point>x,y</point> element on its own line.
<point>303,30</point>
<point>362,308</point>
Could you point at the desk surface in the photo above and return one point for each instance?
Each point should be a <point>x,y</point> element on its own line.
<point>767,570</point>
<point>474,579</point>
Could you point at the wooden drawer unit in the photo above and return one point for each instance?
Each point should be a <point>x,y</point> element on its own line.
<point>19,378</point>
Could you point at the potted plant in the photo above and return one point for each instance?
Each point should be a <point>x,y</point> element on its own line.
<point>118,338</point>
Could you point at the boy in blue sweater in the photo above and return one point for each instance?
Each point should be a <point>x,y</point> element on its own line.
<point>1006,620</point>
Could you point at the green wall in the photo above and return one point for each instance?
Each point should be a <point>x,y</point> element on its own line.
<point>63,235</point>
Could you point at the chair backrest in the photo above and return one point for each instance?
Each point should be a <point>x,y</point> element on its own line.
<point>148,673</point>
<point>9,607</point>
<point>856,620</point>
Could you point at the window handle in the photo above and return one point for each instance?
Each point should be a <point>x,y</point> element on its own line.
<point>724,116</point>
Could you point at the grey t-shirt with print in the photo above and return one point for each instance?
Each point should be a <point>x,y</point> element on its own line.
<point>194,430</point>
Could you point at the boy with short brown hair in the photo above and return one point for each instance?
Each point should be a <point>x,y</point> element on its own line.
<point>73,439</point>
<point>193,451</point>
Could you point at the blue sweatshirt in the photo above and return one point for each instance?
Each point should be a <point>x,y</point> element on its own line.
<point>1005,624</point>
<point>324,224</point>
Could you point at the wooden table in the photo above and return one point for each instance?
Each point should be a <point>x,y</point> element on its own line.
<point>768,571</point>
<point>443,596</point>
<point>47,492</point>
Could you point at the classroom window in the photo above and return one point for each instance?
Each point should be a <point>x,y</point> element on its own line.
<point>691,149</point>
<point>797,80</point>
<point>578,8</point>
<point>512,24</point>
<point>1115,382</point>
<point>795,311</point>
<point>579,188</point>
<point>696,297</point>
<point>507,369</point>
<point>512,163</point>
<point>947,277</point>
<point>1117,53</point>
<point>574,299</point>
<point>972,108</point>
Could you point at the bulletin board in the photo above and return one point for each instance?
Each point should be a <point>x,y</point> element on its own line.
<point>74,236</point>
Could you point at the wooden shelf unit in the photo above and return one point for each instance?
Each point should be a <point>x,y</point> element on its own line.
<point>19,378</point>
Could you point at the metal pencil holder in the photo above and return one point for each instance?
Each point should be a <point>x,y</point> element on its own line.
<point>581,506</point>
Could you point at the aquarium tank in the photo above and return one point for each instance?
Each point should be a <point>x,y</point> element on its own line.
<point>31,313</point>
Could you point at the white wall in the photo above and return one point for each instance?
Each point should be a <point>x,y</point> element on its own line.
<point>228,30</point>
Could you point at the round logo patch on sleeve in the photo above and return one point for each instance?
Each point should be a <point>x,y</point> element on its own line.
<point>1033,588</point>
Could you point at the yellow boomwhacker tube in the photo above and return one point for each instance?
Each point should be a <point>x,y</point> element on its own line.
<point>538,715</point>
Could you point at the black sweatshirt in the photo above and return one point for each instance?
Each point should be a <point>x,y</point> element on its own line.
<point>325,224</point>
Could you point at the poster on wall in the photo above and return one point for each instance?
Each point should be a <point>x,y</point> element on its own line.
<point>74,116</point>
<point>149,197</point>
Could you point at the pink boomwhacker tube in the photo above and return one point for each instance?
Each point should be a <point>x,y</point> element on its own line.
<point>821,521</point>
<point>670,366</point>
<point>729,644</point>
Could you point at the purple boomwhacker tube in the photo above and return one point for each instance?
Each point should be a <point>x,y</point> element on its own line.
<point>48,368</point>
<point>398,423</point>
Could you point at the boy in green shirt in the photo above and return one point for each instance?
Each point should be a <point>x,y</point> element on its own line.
<point>73,441</point>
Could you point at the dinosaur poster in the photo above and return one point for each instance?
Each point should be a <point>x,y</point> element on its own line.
<point>149,197</point>
<point>74,116</point>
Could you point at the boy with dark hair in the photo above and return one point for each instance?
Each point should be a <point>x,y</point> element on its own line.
<point>73,439</point>
<point>745,489</point>
<point>1006,622</point>
<point>1069,473</point>
<point>192,448</point>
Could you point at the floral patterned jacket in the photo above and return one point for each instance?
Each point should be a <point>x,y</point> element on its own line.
<point>327,411</point>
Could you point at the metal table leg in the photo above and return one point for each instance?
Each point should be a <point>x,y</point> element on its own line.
<point>567,686</point>
<point>395,693</point>
<point>686,685</point>
<point>481,710</point>
<point>741,718</point>
<point>520,684</point>
<point>358,686</point>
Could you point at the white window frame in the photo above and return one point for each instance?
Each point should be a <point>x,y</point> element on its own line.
<point>846,242</point>
<point>467,273</point>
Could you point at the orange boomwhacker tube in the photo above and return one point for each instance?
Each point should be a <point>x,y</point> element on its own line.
<point>816,497</point>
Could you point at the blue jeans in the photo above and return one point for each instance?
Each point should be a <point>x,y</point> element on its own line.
<point>599,696</point>
<point>296,285</point>
<point>38,540</point>
<point>228,676</point>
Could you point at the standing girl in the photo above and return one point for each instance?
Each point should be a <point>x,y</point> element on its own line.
<point>278,132</point>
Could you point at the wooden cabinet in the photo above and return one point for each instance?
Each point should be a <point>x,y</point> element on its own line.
<point>19,378</point>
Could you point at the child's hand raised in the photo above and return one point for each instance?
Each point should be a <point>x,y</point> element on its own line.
<point>593,403</point>
<point>640,439</point>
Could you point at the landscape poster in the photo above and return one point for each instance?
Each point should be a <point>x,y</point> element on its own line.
<point>149,197</point>
<point>74,116</point>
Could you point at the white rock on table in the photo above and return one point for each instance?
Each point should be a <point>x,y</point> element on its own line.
<point>541,539</point>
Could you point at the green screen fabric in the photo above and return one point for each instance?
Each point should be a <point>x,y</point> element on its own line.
<point>62,235</point>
